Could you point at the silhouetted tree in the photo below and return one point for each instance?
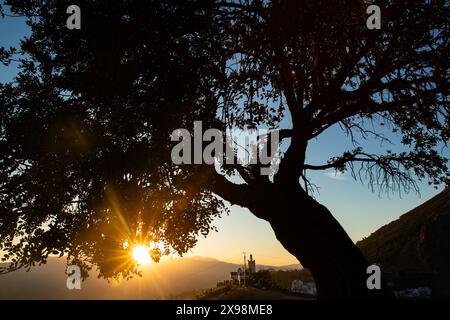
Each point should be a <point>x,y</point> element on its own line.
<point>86,124</point>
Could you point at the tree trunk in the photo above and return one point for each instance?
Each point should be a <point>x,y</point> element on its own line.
<point>309,231</point>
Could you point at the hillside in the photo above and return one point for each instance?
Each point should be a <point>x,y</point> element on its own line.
<point>418,243</point>
<point>250,293</point>
<point>158,281</point>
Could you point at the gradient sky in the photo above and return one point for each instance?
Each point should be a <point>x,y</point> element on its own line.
<point>354,205</point>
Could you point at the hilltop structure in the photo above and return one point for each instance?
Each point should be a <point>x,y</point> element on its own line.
<point>251,265</point>
<point>240,276</point>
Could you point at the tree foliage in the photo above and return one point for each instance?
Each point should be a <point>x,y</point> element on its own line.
<point>85,125</point>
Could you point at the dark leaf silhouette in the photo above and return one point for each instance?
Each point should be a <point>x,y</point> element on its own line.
<point>85,126</point>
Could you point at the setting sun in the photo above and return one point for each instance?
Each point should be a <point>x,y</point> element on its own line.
<point>141,254</point>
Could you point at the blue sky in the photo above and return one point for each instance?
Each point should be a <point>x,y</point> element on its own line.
<point>354,205</point>
<point>11,31</point>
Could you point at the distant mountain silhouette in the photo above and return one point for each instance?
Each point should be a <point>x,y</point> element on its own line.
<point>416,246</point>
<point>158,281</point>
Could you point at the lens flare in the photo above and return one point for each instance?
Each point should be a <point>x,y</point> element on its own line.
<point>141,255</point>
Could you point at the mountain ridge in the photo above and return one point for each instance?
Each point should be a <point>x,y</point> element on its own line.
<point>159,280</point>
<point>416,245</point>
